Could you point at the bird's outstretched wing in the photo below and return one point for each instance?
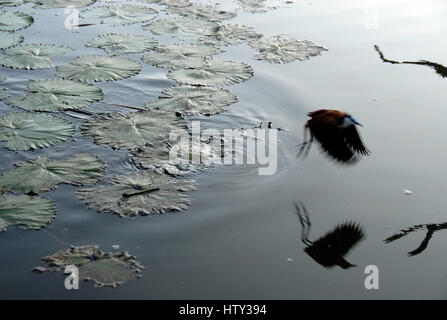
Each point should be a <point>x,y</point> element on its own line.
<point>331,139</point>
<point>354,141</point>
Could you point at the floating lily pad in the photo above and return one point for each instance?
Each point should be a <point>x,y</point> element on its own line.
<point>29,131</point>
<point>9,39</point>
<point>32,56</point>
<point>57,95</point>
<point>231,35</point>
<point>13,21</point>
<point>42,174</point>
<point>191,100</point>
<point>99,68</point>
<point>254,6</point>
<point>282,49</point>
<point>105,269</point>
<point>180,55</point>
<point>186,157</point>
<point>2,78</point>
<point>139,193</point>
<point>169,3</point>
<point>213,73</point>
<point>3,94</point>
<point>120,15</point>
<point>200,11</point>
<point>184,28</point>
<point>133,130</point>
<point>11,3</point>
<point>26,212</point>
<point>50,4</point>
<point>114,43</point>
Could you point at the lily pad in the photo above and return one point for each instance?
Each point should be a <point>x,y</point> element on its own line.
<point>201,11</point>
<point>2,78</point>
<point>99,68</point>
<point>42,174</point>
<point>11,3</point>
<point>3,94</point>
<point>169,3</point>
<point>180,55</point>
<point>26,212</point>
<point>254,6</point>
<point>231,35</point>
<point>105,269</point>
<point>120,15</point>
<point>32,56</point>
<point>133,130</point>
<point>191,100</point>
<point>13,21</point>
<point>9,39</point>
<point>282,49</point>
<point>182,27</point>
<point>29,131</point>
<point>114,43</point>
<point>51,4</point>
<point>213,73</point>
<point>139,193</point>
<point>57,95</point>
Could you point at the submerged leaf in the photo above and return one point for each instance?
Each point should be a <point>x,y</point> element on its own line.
<point>213,73</point>
<point>282,49</point>
<point>120,15</point>
<point>231,35</point>
<point>26,212</point>
<point>57,95</point>
<point>115,43</point>
<point>133,130</point>
<point>139,193</point>
<point>205,12</point>
<point>42,174</point>
<point>50,4</point>
<point>29,131</point>
<point>180,55</point>
<point>99,68</point>
<point>32,56</point>
<point>13,21</point>
<point>9,39</point>
<point>183,27</point>
<point>192,100</point>
<point>105,269</point>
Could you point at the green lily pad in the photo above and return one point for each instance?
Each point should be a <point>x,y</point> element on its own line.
<point>11,3</point>
<point>51,4</point>
<point>184,28</point>
<point>120,15</point>
<point>57,95</point>
<point>213,73</point>
<point>191,100</point>
<point>254,6</point>
<point>139,193</point>
<point>114,43</point>
<point>9,39</point>
<point>201,11</point>
<point>281,49</point>
<point>133,130</point>
<point>13,21</point>
<point>105,269</point>
<point>42,174</point>
<point>26,212</point>
<point>32,56</point>
<point>99,68</point>
<point>231,35</point>
<point>169,3</point>
<point>2,78</point>
<point>29,131</point>
<point>180,55</point>
<point>3,94</point>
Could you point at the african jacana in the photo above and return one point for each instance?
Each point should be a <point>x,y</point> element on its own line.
<point>330,249</point>
<point>336,132</point>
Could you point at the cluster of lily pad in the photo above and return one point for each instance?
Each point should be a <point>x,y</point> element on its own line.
<point>146,134</point>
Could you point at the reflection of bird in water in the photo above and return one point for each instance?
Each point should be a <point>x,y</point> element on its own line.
<point>329,250</point>
<point>439,68</point>
<point>431,229</point>
<point>337,134</point>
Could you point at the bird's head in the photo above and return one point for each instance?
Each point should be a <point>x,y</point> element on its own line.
<point>348,120</point>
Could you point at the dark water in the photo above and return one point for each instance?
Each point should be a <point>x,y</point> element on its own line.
<point>240,238</point>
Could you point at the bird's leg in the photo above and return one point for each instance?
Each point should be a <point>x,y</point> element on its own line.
<point>309,143</point>
<point>308,224</point>
<point>305,223</point>
<point>302,146</point>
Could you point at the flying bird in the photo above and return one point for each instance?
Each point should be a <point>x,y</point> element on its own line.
<point>336,132</point>
<point>330,249</point>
